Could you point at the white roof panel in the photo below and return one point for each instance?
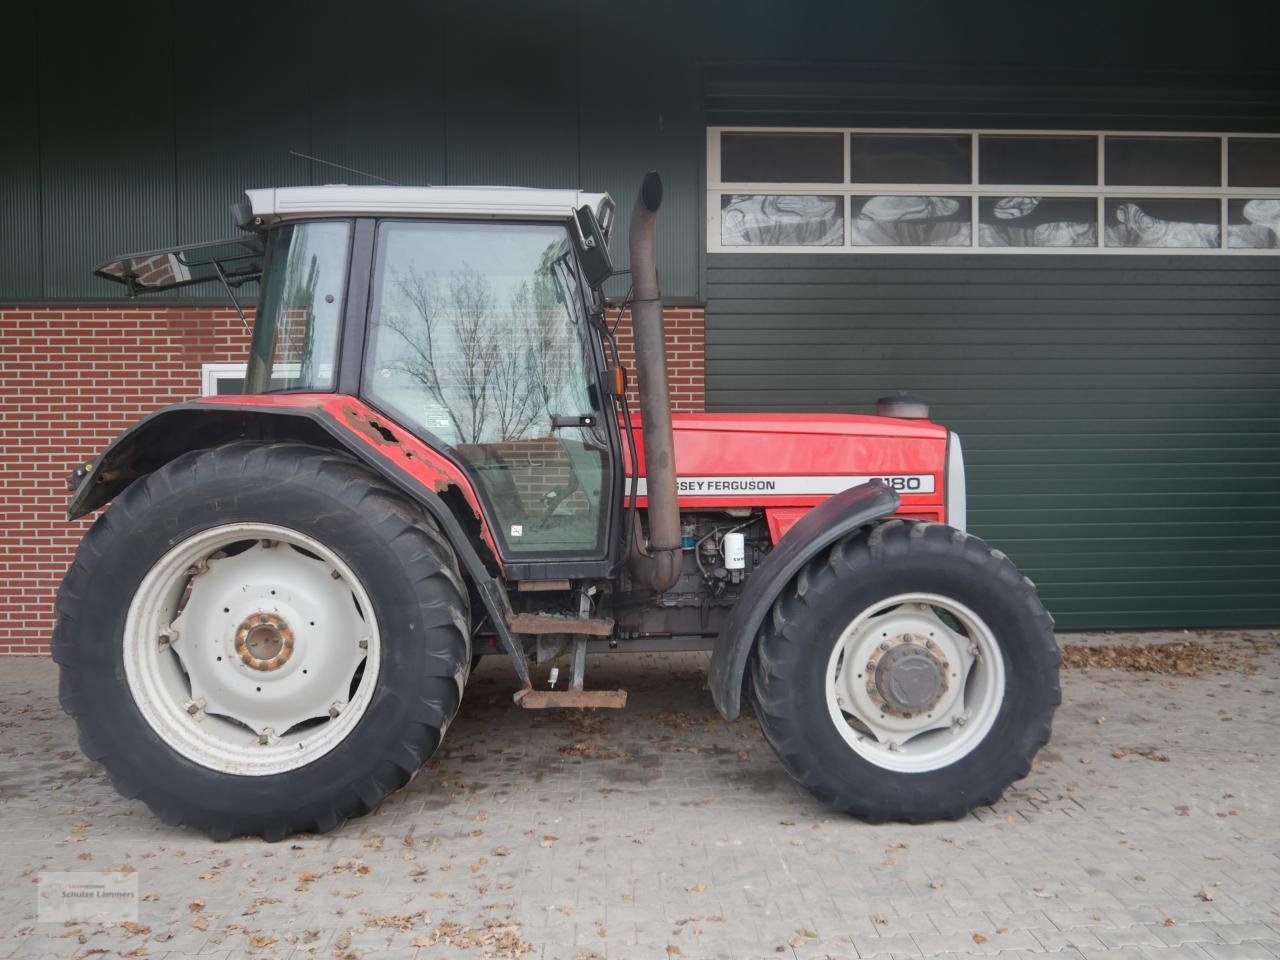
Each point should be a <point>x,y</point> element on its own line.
<point>520,203</point>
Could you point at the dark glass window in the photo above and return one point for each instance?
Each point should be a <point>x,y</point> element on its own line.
<point>1066,160</point>
<point>1163,222</point>
<point>910,158</point>
<point>1253,162</point>
<point>1037,222</point>
<point>1164,161</point>
<point>781,157</point>
<point>916,221</point>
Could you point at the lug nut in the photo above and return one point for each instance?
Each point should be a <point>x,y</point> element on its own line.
<point>364,644</point>
<point>265,736</point>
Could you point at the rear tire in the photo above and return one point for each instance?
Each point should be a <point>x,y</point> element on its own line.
<point>961,715</point>
<point>345,625</point>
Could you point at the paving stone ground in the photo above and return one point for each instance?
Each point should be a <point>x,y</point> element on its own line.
<point>663,831</point>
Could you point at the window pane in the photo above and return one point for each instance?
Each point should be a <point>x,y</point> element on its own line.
<point>766,220</point>
<point>892,221</point>
<point>1162,223</point>
<point>1253,162</point>
<point>909,158</point>
<point>1164,161</point>
<point>1029,159</point>
<point>1037,222</point>
<point>1253,224</point>
<point>781,157</point>
<point>295,329</point>
<point>477,337</point>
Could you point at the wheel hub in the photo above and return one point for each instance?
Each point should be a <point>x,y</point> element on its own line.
<point>909,677</point>
<point>264,642</point>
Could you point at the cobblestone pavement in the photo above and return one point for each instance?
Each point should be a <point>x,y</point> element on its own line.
<point>1148,830</point>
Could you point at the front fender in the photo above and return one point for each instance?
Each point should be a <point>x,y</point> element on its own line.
<point>815,531</point>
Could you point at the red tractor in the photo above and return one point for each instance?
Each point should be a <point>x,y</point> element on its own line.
<point>271,627</point>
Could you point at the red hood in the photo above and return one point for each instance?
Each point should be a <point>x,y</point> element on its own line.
<point>798,460</point>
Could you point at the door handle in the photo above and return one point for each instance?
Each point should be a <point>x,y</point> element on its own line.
<point>560,420</point>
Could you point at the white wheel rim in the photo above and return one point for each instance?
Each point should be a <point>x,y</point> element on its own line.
<point>965,671</point>
<point>242,658</point>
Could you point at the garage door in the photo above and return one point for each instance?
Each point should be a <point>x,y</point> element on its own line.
<point>1121,415</point>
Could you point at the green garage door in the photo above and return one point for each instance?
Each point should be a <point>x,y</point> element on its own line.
<point>1120,415</point>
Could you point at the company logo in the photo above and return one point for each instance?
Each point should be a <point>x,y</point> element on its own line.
<point>802,486</point>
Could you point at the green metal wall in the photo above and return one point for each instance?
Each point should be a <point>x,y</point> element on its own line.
<point>132,128</point>
<point>1120,415</point>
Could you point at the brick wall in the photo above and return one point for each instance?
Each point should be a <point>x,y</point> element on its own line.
<point>72,378</point>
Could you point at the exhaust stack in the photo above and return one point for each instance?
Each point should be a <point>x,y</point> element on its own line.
<point>657,564</point>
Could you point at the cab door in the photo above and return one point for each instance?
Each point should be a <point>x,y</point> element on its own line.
<point>479,343</point>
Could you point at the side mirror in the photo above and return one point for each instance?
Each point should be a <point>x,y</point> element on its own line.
<point>593,248</point>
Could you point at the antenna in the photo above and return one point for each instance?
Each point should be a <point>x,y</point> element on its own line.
<point>330,163</point>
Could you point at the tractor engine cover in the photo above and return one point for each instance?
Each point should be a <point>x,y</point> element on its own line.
<point>789,463</point>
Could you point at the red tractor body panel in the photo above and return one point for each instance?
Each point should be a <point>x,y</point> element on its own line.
<point>382,435</point>
<point>789,463</point>
<point>785,463</point>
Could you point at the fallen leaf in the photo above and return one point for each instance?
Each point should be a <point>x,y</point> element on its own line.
<point>979,938</point>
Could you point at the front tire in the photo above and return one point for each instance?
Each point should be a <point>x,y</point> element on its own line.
<point>262,639</point>
<point>908,673</point>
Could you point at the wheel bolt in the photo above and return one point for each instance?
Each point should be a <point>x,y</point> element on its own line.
<point>194,706</point>
<point>884,645</point>
<point>164,639</point>
<point>334,710</point>
<point>961,720</point>
<point>265,736</point>
<point>894,747</point>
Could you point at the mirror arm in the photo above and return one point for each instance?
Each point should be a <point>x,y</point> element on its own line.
<point>222,275</point>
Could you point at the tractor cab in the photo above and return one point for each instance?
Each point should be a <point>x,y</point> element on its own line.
<point>470,316</point>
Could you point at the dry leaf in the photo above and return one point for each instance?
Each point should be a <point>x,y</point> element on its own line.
<point>979,938</point>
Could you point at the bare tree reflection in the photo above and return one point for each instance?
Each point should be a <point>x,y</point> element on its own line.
<point>496,373</point>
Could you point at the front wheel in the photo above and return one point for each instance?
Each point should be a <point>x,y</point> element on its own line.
<point>909,673</point>
<point>261,639</point>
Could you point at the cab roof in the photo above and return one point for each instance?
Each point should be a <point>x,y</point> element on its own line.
<point>517,203</point>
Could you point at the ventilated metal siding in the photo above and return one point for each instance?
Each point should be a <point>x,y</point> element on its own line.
<point>1120,415</point>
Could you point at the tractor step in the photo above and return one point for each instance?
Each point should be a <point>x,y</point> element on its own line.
<point>575,698</point>
<point>541,623</point>
<point>571,699</point>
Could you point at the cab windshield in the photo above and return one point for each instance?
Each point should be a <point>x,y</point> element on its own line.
<point>296,327</point>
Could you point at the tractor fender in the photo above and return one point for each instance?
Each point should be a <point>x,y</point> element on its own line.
<point>814,532</point>
<point>326,420</point>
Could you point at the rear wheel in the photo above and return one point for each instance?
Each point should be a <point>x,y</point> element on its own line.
<point>262,639</point>
<point>909,673</point>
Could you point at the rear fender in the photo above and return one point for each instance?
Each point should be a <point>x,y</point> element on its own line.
<point>327,420</point>
<point>815,531</point>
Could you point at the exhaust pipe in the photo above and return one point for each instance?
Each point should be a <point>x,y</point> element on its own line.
<point>658,563</point>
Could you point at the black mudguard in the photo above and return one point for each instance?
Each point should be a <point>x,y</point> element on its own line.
<point>812,533</point>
